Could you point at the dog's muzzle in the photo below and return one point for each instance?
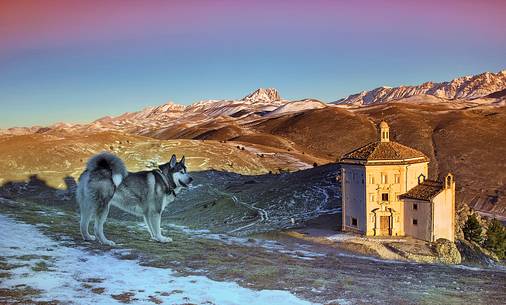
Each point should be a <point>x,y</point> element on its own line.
<point>184,184</point>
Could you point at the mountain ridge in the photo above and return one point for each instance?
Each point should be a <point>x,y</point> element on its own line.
<point>486,86</point>
<point>465,87</point>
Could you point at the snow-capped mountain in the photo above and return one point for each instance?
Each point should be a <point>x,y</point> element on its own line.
<point>263,95</point>
<point>153,118</point>
<point>157,112</point>
<point>296,106</point>
<point>20,130</point>
<point>261,100</point>
<point>466,87</point>
<point>482,89</point>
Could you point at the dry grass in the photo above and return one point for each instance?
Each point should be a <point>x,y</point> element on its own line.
<point>53,158</point>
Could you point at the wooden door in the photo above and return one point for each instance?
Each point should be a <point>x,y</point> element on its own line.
<point>384,225</point>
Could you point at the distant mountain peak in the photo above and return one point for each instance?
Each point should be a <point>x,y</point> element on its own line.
<point>263,94</point>
<point>465,87</point>
<point>170,106</point>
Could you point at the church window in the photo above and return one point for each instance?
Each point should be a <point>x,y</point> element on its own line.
<point>384,178</point>
<point>397,179</point>
<point>371,179</point>
<point>384,197</point>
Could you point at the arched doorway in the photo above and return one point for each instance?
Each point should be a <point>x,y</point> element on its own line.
<point>383,221</point>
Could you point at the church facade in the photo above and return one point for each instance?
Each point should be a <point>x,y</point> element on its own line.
<point>385,192</point>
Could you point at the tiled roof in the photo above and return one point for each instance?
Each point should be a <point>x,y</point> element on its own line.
<point>384,151</point>
<point>424,191</point>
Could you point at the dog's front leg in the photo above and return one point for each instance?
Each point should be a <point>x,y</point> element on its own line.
<point>155,220</point>
<point>149,226</point>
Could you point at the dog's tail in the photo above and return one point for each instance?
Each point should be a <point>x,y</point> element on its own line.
<point>110,162</point>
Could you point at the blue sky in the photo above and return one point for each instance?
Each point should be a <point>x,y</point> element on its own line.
<point>80,60</point>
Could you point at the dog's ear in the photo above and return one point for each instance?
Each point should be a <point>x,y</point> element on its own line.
<point>182,160</point>
<point>165,168</point>
<point>173,161</point>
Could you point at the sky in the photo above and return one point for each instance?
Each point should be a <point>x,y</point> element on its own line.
<point>76,61</point>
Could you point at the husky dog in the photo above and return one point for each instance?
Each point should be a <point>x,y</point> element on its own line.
<point>106,181</point>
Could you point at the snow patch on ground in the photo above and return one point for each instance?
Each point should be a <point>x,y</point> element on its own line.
<point>270,245</point>
<point>73,272</point>
<point>340,237</point>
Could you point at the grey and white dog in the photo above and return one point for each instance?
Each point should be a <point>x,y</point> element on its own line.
<point>106,181</point>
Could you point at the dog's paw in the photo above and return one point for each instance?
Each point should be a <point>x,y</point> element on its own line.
<point>164,239</point>
<point>90,238</point>
<point>108,242</point>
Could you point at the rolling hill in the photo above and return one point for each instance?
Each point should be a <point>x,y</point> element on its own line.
<point>459,124</point>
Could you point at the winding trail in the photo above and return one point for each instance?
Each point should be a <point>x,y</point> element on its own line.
<point>264,216</point>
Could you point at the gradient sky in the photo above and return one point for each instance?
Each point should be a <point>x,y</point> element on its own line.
<point>75,61</point>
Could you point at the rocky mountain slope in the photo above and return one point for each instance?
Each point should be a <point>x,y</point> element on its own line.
<point>466,87</point>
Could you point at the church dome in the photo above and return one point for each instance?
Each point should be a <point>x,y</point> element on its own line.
<point>384,151</point>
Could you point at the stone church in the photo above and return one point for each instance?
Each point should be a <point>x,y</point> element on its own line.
<point>385,192</point>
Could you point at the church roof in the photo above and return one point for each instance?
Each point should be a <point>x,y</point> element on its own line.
<point>424,191</point>
<point>386,151</point>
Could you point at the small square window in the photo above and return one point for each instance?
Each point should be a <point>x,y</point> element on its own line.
<point>384,197</point>
<point>353,221</point>
<point>415,222</point>
<point>415,206</point>
<point>371,198</point>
